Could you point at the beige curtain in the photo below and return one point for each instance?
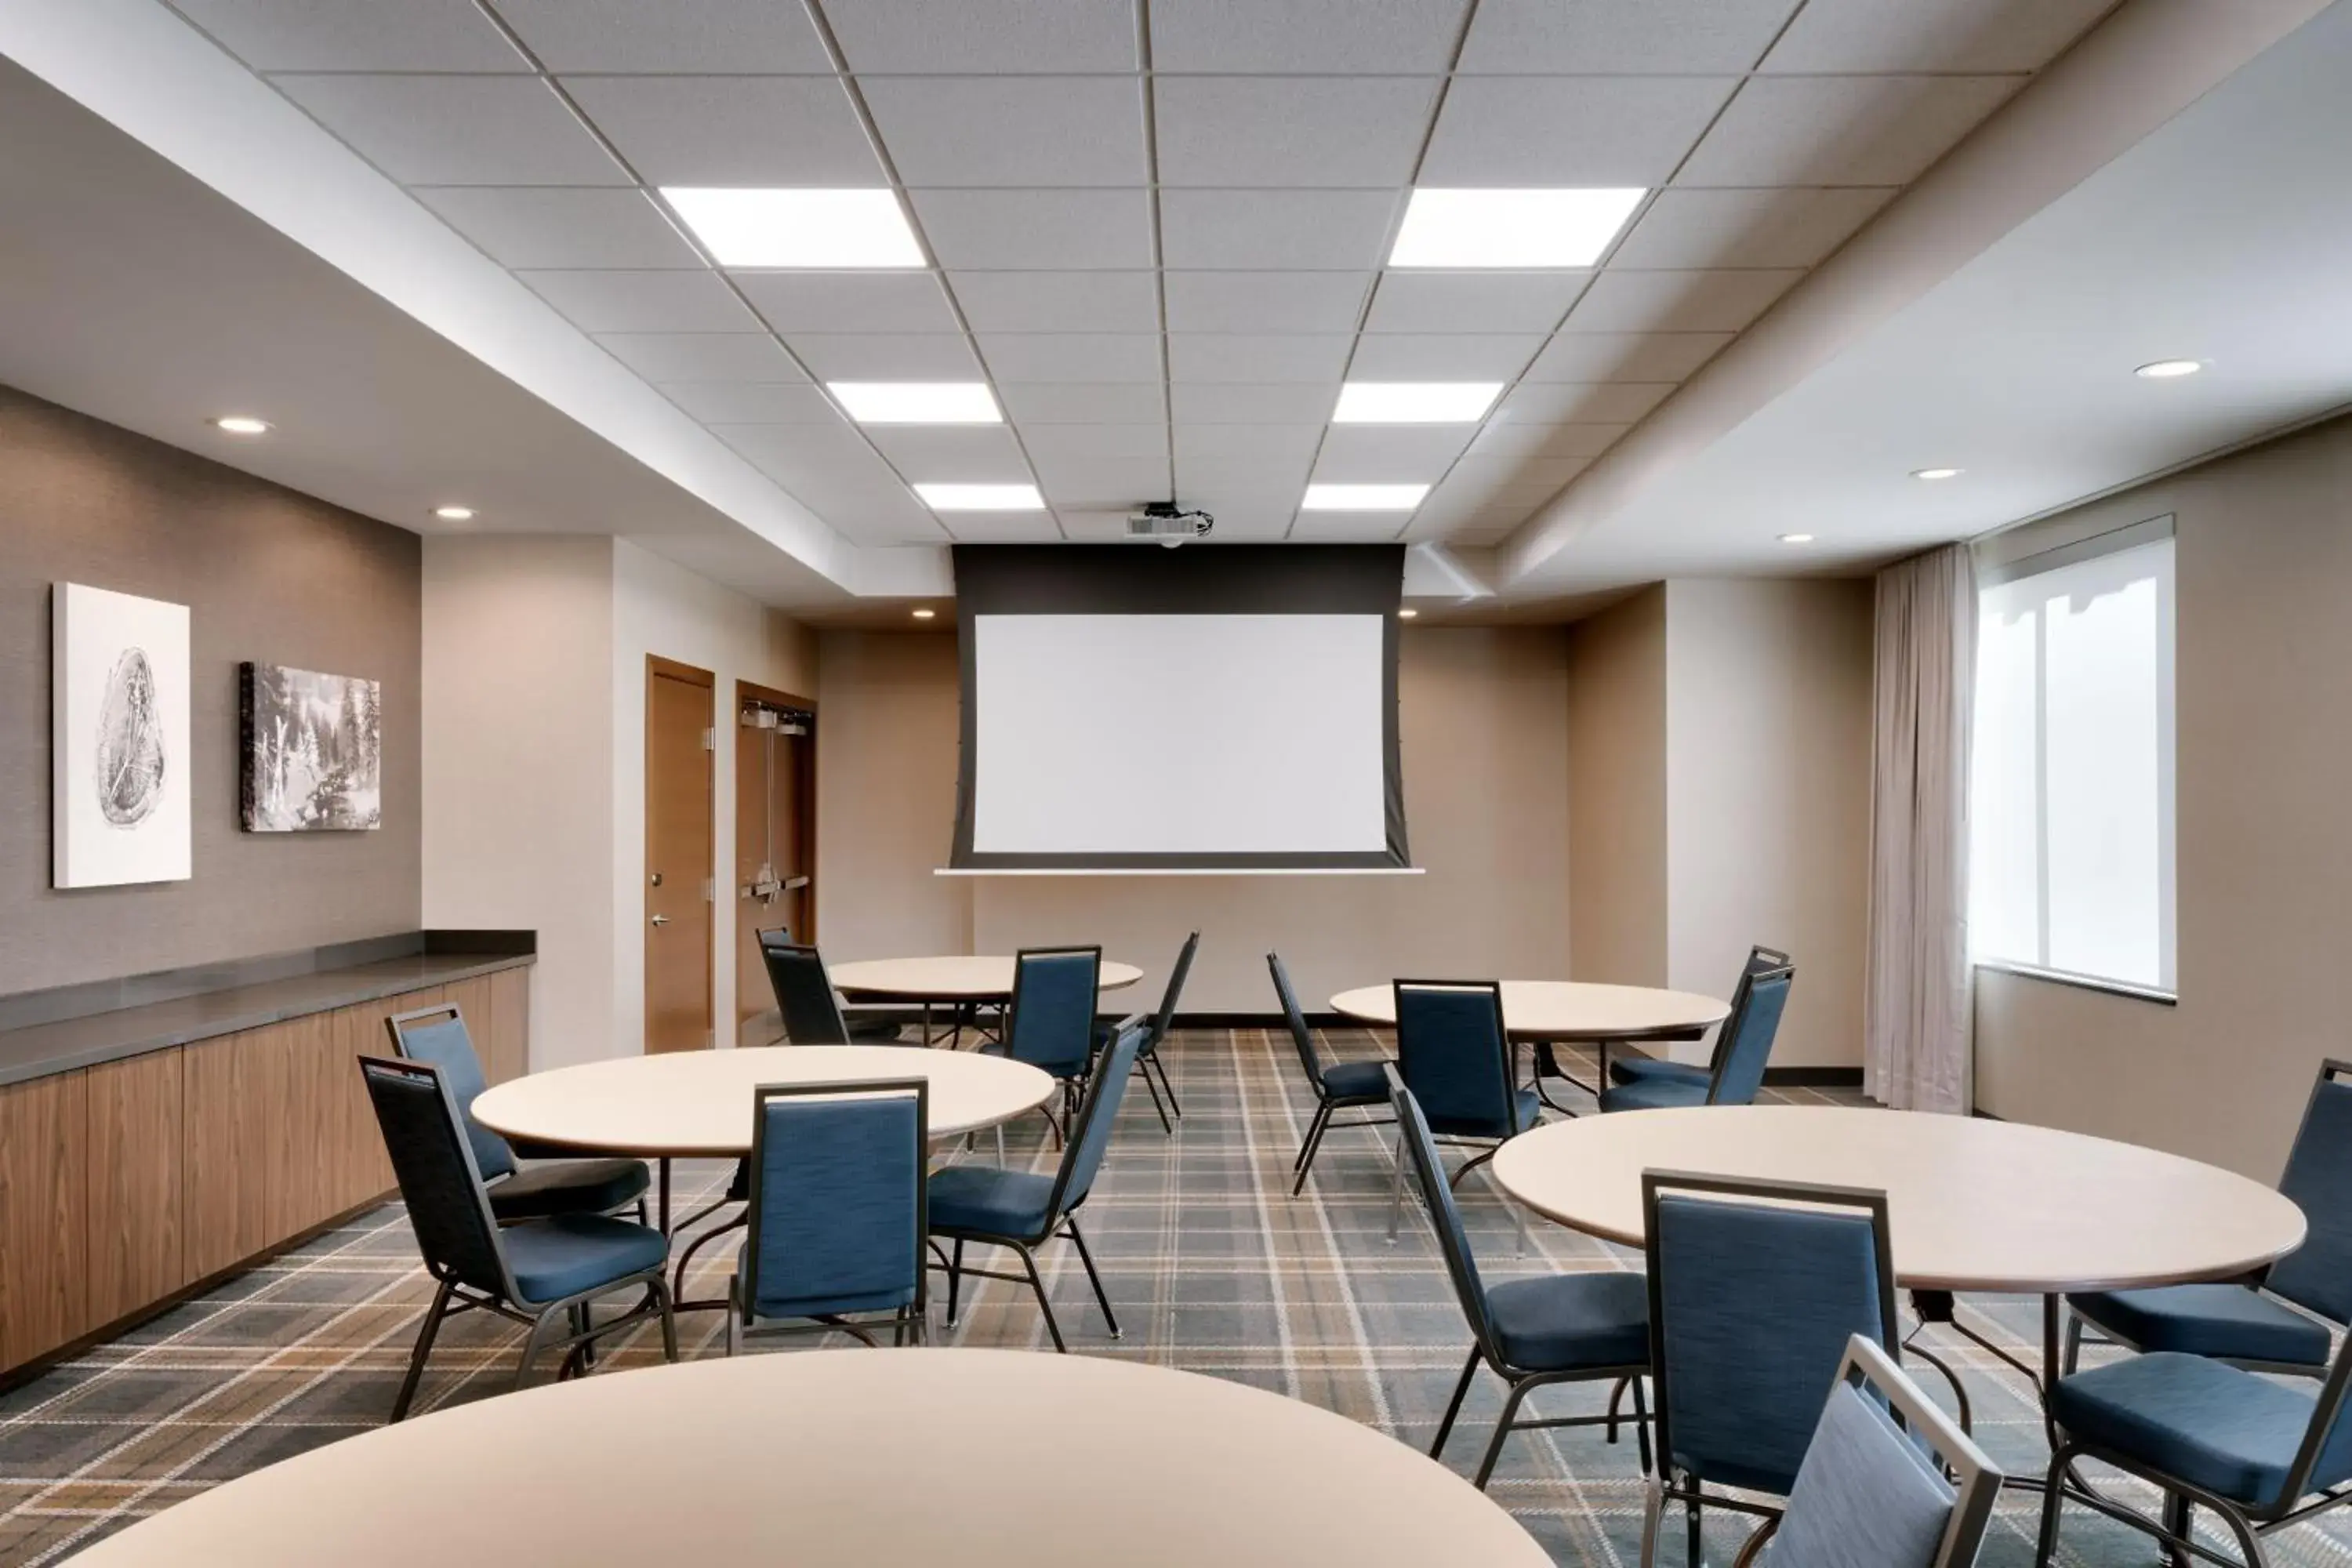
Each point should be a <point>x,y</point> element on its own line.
<point>1915,1018</point>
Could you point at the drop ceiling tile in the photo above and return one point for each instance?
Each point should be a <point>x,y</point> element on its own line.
<point>1330,36</point>
<point>1241,481</point>
<point>1932,35</point>
<point>952,454</point>
<point>1607,38</point>
<point>1435,357</point>
<point>1575,356</point>
<point>1074,441</point>
<point>1318,357</point>
<point>1001,527</point>
<point>1059,301</point>
<point>849,301</point>
<point>886,356</point>
<point>617,302</point>
<point>1037,230</point>
<point>458,130</point>
<point>1561,403</point>
<point>1245,513</point>
<point>1473,301</point>
<point>1283,447</point>
<point>1570,131</point>
<point>731,131</point>
<point>832,471</point>
<point>1516,475</point>
<point>1514,440</point>
<point>1842,131</point>
<point>1764,227</point>
<point>980,131</point>
<point>1071,356</point>
<point>1278,230</point>
<point>1280,403</point>
<point>752,403</point>
<point>1348,527</point>
<point>1083,404</point>
<point>627,37</point>
<point>355,35</point>
<point>547,225</point>
<point>1290,131</point>
<point>1390,454</point>
<point>1091,480</point>
<point>749,356</point>
<point>1265,302</point>
<point>970,36</point>
<point>1719,302</point>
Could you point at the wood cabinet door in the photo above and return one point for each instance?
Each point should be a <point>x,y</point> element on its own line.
<point>135,1172</point>
<point>232,1087</point>
<point>44,1285</point>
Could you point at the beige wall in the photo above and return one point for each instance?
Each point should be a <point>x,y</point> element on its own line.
<point>1617,792</point>
<point>2264,674</point>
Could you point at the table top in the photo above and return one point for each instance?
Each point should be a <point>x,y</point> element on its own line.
<point>951,979</point>
<point>847,1459</point>
<point>1973,1205</point>
<point>687,1103</point>
<point>1567,1009</point>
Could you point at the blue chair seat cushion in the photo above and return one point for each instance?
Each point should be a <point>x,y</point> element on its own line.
<point>1558,1322</point>
<point>2227,1430</point>
<point>1366,1081</point>
<point>568,1187</point>
<point>567,1254</point>
<point>987,1200</point>
<point>2233,1323</point>
<point>1638,1070</point>
<point>1530,1112</point>
<point>1653,1094</point>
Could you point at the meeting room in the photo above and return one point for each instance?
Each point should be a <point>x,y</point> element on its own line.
<point>1388,783</point>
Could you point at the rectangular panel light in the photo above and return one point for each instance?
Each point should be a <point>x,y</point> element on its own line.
<point>1362,497</point>
<point>981,498</point>
<point>918,402</point>
<point>1416,401</point>
<point>797,229</point>
<point>1511,228</point>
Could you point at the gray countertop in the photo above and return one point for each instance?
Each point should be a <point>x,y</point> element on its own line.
<point>41,1050</point>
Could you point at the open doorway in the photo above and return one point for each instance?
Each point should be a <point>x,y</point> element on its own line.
<point>776,842</point>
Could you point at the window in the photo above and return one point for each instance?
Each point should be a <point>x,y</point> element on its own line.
<point>2071,798</point>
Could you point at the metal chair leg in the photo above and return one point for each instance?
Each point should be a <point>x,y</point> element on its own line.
<point>1693,1532</point>
<point>1453,1407</point>
<point>433,1316</point>
<point>1653,1507</point>
<point>1396,1191</point>
<point>2177,1520</point>
<point>1314,1141</point>
<point>530,1347</point>
<point>1102,1297</point>
<point>2053,1501</point>
<point>1037,1283</point>
<point>1642,1425</point>
<point>1502,1430</point>
<point>1166,1087</point>
<point>955,1279</point>
<point>2074,1352</point>
<point>1143,1069</point>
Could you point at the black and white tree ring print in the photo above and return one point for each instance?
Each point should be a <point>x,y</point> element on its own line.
<point>131,759</point>
<point>119,741</point>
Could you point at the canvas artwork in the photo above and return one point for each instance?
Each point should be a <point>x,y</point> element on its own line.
<point>119,738</point>
<point>312,746</point>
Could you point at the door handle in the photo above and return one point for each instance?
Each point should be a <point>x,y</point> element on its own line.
<point>661,920</point>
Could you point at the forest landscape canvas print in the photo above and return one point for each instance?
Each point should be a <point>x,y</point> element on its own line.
<point>314,751</point>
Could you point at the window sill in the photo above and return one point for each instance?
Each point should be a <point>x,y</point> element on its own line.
<point>2081,982</point>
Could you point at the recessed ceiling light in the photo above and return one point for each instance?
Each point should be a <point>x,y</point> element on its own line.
<point>1362,497</point>
<point>797,229</point>
<point>1511,228</point>
<point>1935,473</point>
<point>1414,402</point>
<point>981,498</point>
<point>454,513</point>
<point>242,424</point>
<point>1796,539</point>
<point>918,402</point>
<point>1408,614</point>
<point>925,615</point>
<point>2168,369</point>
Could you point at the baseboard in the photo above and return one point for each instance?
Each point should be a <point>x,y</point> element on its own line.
<point>1814,1078</point>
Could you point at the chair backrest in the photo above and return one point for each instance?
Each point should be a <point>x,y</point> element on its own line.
<point>804,998</point>
<point>1089,1139</point>
<point>1872,1492</point>
<point>1166,1016</point>
<point>2319,1274</point>
<point>838,1210</point>
<point>438,1036</point>
<point>1445,1214</point>
<point>1754,1289</point>
<point>1052,1021</point>
<point>1302,1039</point>
<point>1454,1054</point>
<point>1746,1044</point>
<point>447,1207</point>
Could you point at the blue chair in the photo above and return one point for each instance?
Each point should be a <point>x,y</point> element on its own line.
<point>438,1036</point>
<point>1342,1086</point>
<point>1554,1327</point>
<point>1150,1062</point>
<point>837,1215</point>
<point>1050,1018</point>
<point>1872,1492</point>
<point>1455,1055</point>
<point>1743,1047</point>
<point>808,1007</point>
<point>1755,1288</point>
<point>2247,1325</point>
<point>537,1272</point>
<point>1633,1069</point>
<point>1024,1209</point>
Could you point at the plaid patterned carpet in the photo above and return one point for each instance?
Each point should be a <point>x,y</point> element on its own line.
<point>1211,1265</point>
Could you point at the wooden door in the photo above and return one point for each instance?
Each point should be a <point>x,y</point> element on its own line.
<point>775,834</point>
<point>678,867</point>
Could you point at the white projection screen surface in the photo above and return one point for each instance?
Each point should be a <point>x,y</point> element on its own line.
<point>1132,709</point>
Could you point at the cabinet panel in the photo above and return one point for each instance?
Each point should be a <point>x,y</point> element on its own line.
<point>43,1287</point>
<point>511,1004</point>
<point>363,1170</point>
<point>133,1174</point>
<point>306,1153</point>
<point>230,1088</point>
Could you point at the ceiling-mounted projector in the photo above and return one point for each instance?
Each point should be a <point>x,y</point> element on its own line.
<point>1163,522</point>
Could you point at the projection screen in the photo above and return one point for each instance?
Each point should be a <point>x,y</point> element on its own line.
<point>1211,708</point>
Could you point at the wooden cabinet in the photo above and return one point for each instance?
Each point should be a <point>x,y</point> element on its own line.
<point>134,1174</point>
<point>44,1297</point>
<point>236,1096</point>
<point>511,1012</point>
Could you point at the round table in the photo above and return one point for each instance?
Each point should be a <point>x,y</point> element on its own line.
<point>842,1459</point>
<point>962,982</point>
<point>1545,1011</point>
